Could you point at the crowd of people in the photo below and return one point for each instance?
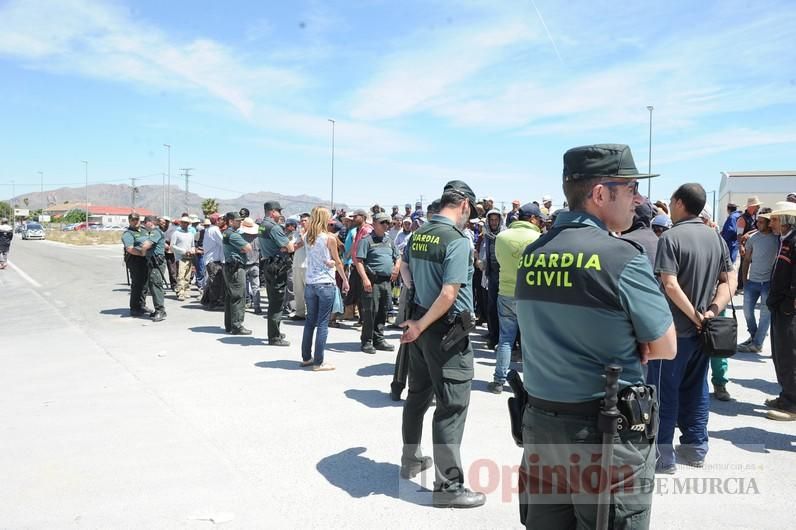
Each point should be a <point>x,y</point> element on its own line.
<point>609,278</point>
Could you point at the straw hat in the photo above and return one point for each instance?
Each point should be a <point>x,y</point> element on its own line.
<point>753,201</point>
<point>784,208</point>
<point>185,219</point>
<point>248,226</point>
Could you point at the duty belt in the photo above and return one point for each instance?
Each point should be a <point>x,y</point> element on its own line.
<point>586,408</point>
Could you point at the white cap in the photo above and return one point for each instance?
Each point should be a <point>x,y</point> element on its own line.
<point>547,198</point>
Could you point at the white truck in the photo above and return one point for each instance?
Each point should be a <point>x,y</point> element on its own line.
<point>768,186</point>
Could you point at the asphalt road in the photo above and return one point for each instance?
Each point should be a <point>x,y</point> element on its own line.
<point>112,422</point>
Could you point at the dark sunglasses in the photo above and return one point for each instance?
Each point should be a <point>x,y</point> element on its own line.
<point>384,222</point>
<point>633,186</point>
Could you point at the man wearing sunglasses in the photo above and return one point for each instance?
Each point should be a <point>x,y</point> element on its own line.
<point>584,300</point>
<point>378,263</point>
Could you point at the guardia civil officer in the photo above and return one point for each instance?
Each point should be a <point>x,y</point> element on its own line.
<point>135,259</point>
<point>586,299</point>
<point>378,263</point>
<point>275,249</point>
<point>441,266</point>
<point>155,248</point>
<point>235,249</point>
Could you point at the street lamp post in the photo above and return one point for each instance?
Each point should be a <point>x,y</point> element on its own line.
<point>331,208</point>
<point>167,190</point>
<point>43,203</point>
<point>85,162</point>
<point>649,169</point>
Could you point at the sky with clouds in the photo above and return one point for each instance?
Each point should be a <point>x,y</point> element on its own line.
<point>492,92</point>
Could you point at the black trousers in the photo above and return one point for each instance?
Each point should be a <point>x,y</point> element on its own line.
<point>139,276</point>
<point>493,321</point>
<point>171,266</point>
<point>375,305</point>
<point>275,285</point>
<point>354,287</point>
<point>783,353</point>
<point>447,377</point>
<point>213,294</point>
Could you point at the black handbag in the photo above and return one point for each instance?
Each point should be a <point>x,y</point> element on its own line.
<point>720,334</point>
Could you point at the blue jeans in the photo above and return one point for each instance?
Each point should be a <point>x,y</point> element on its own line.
<point>684,400</point>
<point>200,271</point>
<point>319,298</point>
<point>507,316</point>
<point>751,293</point>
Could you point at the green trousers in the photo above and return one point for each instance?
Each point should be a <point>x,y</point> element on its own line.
<point>157,286</point>
<point>234,297</point>
<point>446,376</point>
<point>719,365</point>
<point>561,468</point>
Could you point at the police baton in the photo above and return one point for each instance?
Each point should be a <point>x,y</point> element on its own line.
<point>607,423</point>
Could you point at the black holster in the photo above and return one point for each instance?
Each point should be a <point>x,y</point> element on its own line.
<point>461,326</point>
<point>639,409</point>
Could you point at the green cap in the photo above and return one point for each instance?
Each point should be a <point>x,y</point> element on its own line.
<point>601,160</point>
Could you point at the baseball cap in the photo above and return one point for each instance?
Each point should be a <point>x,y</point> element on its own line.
<point>291,222</point>
<point>530,209</point>
<point>233,216</point>
<point>407,205</point>
<point>381,217</point>
<point>601,160</point>
<point>360,211</point>
<point>462,188</point>
<point>661,220</point>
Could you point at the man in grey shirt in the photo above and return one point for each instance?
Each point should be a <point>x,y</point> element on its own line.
<point>761,252</point>
<point>693,263</point>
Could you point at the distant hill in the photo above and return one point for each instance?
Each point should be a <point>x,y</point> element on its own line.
<point>151,197</point>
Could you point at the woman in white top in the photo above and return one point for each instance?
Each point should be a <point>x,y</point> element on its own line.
<point>320,287</point>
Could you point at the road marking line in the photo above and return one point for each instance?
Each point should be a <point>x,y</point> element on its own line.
<point>25,276</point>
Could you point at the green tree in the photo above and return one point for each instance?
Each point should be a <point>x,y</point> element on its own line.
<point>6,210</point>
<point>75,216</point>
<point>209,206</point>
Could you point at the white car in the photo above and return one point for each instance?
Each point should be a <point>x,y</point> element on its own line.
<point>33,231</point>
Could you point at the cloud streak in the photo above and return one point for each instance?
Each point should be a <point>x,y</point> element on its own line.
<point>102,41</point>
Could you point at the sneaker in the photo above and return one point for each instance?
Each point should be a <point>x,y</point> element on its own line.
<point>368,348</point>
<point>781,415</point>
<point>495,387</point>
<point>411,469</point>
<point>240,331</point>
<point>750,340</point>
<point>383,346</point>
<point>720,393</point>
<point>158,316</point>
<point>462,498</point>
<point>684,455</point>
<point>278,342</point>
<point>666,470</point>
<point>750,347</point>
<point>305,364</point>
<point>322,368</point>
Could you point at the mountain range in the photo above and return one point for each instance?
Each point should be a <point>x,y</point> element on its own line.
<point>151,198</point>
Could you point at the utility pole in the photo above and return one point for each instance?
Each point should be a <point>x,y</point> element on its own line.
<point>167,189</point>
<point>86,164</point>
<point>134,190</point>
<point>649,166</point>
<point>13,206</point>
<point>331,207</point>
<point>186,172</point>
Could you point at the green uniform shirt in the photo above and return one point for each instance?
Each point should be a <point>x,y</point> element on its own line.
<point>158,247</point>
<point>233,244</point>
<point>272,239</point>
<point>378,253</point>
<point>585,299</point>
<point>134,237</point>
<point>439,254</point>
<point>509,246</point>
